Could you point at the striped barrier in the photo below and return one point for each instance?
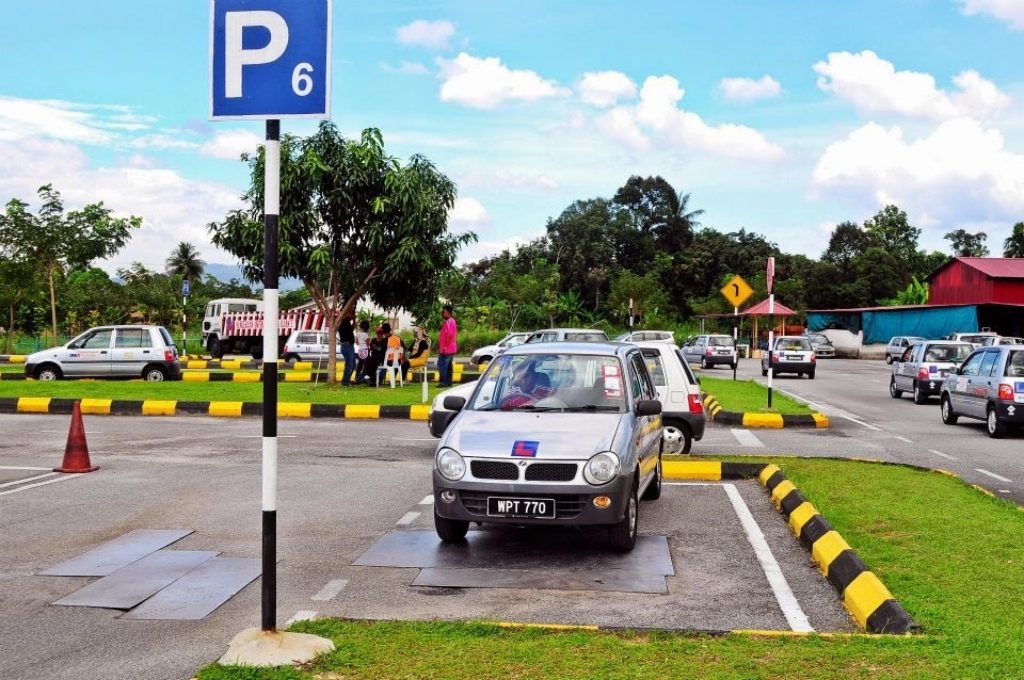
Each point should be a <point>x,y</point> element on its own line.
<point>254,377</point>
<point>248,365</point>
<point>223,409</point>
<point>13,358</point>
<point>762,420</point>
<point>864,595</point>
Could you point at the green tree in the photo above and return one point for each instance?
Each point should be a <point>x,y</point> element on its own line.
<point>649,300</point>
<point>847,242</point>
<point>890,230</point>
<point>57,241</point>
<point>965,244</point>
<point>916,293</point>
<point>1014,245</point>
<point>354,221</point>
<point>184,262</point>
<point>583,244</point>
<point>18,285</point>
<point>89,298</point>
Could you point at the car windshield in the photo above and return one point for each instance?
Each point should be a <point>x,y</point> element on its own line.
<point>720,341</point>
<point>820,339</point>
<point>947,352</point>
<point>551,382</point>
<point>792,344</point>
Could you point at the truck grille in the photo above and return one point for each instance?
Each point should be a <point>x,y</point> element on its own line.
<point>551,472</point>
<point>486,469</point>
<point>566,507</point>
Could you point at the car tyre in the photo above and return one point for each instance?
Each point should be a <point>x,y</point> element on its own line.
<point>888,360</point>
<point>622,534</point>
<point>48,372</point>
<point>733,365</point>
<point>949,416</point>
<point>810,375</point>
<point>685,438</point>
<point>704,362</point>
<point>893,391</point>
<point>484,360</point>
<point>764,371</point>
<point>450,530</point>
<point>653,490</point>
<point>919,396</point>
<point>154,374</point>
<point>291,358</point>
<point>215,348</point>
<point>995,427</point>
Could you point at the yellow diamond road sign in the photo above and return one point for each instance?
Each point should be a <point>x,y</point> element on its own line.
<point>737,291</point>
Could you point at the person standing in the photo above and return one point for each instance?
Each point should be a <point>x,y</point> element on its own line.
<point>347,335</point>
<point>447,346</point>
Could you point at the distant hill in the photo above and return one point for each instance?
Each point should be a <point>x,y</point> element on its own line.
<point>226,272</point>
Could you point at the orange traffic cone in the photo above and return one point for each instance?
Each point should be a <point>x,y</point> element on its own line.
<point>76,453</point>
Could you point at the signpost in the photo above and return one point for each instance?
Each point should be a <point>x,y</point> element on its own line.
<point>771,326</point>
<point>184,314</point>
<point>736,291</point>
<point>270,59</point>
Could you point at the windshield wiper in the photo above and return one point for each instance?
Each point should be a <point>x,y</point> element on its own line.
<point>531,407</point>
<point>590,407</point>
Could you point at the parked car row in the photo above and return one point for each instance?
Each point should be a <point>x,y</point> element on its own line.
<point>900,343</point>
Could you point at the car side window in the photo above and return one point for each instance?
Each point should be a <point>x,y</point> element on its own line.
<point>988,362</point>
<point>132,337</point>
<point>646,387</point>
<point>654,366</point>
<point>98,340</point>
<point>907,355</point>
<point>634,379</point>
<point>973,364</point>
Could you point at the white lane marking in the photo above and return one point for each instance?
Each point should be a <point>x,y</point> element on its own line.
<point>259,436</point>
<point>408,518</point>
<point>1004,491</point>
<point>27,479</point>
<point>429,500</point>
<point>301,615</point>
<point>691,484</point>
<point>776,579</point>
<point>331,590</point>
<point>32,486</point>
<point>904,439</point>
<point>416,439</point>
<point>23,467</point>
<point>830,410</point>
<point>747,438</point>
<point>994,475</point>
<point>944,455</point>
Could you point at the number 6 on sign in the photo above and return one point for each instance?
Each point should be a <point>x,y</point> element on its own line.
<point>270,58</point>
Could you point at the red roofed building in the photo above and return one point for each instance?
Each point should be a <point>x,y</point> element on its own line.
<point>978,281</point>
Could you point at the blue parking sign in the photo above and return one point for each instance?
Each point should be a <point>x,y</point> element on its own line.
<point>270,58</point>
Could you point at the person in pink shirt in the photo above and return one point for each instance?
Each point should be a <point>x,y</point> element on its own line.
<point>447,346</point>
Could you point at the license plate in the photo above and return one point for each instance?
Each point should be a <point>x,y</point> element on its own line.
<point>794,357</point>
<point>532,508</point>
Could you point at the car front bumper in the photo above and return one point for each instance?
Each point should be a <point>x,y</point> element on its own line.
<point>574,502</point>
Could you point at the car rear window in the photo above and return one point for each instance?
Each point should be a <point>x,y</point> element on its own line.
<point>720,341</point>
<point>947,352</point>
<point>652,358</point>
<point>132,337</point>
<point>793,344</point>
<point>1015,366</point>
<point>586,337</point>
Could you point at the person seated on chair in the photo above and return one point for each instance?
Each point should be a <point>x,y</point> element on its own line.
<point>526,386</point>
<point>417,358</point>
<point>395,350</point>
<point>378,348</point>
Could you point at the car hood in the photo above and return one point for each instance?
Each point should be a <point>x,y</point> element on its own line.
<point>51,353</point>
<point>488,349</point>
<point>565,436</point>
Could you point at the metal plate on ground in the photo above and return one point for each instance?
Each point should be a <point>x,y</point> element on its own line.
<point>614,580</point>
<point>200,591</point>
<point>108,557</point>
<point>132,584</point>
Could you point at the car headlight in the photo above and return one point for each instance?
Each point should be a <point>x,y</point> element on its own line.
<point>602,468</point>
<point>450,464</point>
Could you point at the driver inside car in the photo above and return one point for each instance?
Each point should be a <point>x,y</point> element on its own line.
<point>527,385</point>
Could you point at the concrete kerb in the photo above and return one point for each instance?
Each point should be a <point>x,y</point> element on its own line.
<point>762,420</point>
<point>864,595</point>
<point>193,375</point>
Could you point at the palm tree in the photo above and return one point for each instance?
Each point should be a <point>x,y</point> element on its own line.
<point>1014,246</point>
<point>184,262</point>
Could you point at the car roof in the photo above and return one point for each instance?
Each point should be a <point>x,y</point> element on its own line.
<point>123,326</point>
<point>594,348</point>
<point>568,330</point>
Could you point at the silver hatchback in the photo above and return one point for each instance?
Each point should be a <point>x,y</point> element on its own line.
<point>988,386</point>
<point>110,352</point>
<point>565,434</point>
<point>924,366</point>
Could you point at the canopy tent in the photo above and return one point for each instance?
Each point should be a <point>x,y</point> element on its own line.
<point>761,309</point>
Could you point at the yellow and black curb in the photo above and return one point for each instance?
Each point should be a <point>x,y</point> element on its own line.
<point>762,420</point>
<point>864,595</point>
<point>229,409</point>
<point>13,358</point>
<point>284,376</point>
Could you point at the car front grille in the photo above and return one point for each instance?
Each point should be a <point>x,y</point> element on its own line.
<point>487,469</point>
<point>551,472</point>
<point>566,507</point>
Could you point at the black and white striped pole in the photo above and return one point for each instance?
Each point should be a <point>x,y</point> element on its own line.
<point>271,208</point>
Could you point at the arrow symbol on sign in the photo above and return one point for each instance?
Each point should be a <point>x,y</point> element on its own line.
<point>736,287</point>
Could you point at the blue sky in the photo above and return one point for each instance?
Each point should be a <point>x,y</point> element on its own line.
<point>783,118</point>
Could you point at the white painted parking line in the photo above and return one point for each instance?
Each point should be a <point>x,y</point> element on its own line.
<point>27,479</point>
<point>416,439</point>
<point>747,438</point>
<point>331,590</point>
<point>1004,491</point>
<point>776,579</point>
<point>23,467</point>
<point>830,410</point>
<point>943,455</point>
<point>408,518</point>
<point>32,486</point>
<point>904,439</point>
<point>429,500</point>
<point>994,475</point>
<point>301,615</point>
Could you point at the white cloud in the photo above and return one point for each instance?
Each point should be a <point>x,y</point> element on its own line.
<point>468,214</point>
<point>407,68</point>
<point>423,33</point>
<point>22,118</point>
<point>487,83</point>
<point>1008,11</point>
<point>231,144</point>
<point>874,86</point>
<point>605,88</point>
<point>748,89</point>
<point>620,124</point>
<point>960,172</point>
<point>477,251</point>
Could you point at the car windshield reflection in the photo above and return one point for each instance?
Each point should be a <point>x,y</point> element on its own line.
<point>552,382</point>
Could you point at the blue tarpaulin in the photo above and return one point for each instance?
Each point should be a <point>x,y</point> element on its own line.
<point>879,325</point>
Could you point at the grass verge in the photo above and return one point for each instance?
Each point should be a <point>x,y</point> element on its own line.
<point>214,391</point>
<point>951,555</point>
<point>747,396</point>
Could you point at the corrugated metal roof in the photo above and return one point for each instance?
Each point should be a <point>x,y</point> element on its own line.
<point>761,309</point>
<point>997,267</point>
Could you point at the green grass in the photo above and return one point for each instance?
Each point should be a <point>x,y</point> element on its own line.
<point>951,555</point>
<point>748,396</point>
<point>214,391</point>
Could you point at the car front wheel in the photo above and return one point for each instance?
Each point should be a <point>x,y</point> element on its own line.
<point>450,530</point>
<point>949,416</point>
<point>995,427</point>
<point>703,362</point>
<point>48,372</point>
<point>622,534</point>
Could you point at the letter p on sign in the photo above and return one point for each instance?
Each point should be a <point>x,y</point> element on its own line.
<point>270,58</point>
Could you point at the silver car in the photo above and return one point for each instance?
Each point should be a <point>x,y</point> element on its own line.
<point>822,346</point>
<point>484,354</point>
<point>924,366</point>
<point>145,352</point>
<point>791,354</point>
<point>988,386</point>
<point>558,435</point>
<point>898,345</point>
<point>710,350</point>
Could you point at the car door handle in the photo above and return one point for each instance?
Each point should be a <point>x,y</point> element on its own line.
<point>145,351</point>
<point>103,351</point>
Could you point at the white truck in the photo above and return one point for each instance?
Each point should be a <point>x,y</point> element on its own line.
<point>235,325</point>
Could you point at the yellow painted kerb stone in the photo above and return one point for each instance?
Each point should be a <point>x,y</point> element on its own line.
<point>34,405</point>
<point>864,595</point>
<point>96,407</point>
<point>230,409</point>
<point>419,411</point>
<point>781,491</point>
<point>158,407</point>
<point>692,469</point>
<point>827,548</point>
<point>362,411</point>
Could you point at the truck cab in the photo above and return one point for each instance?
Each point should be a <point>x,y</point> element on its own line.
<point>214,339</point>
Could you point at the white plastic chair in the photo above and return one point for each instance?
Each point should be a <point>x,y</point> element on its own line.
<point>392,366</point>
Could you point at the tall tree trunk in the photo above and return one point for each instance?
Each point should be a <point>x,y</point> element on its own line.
<point>10,327</point>
<point>53,306</point>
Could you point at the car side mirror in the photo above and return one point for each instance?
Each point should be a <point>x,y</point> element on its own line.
<point>646,407</point>
<point>454,403</point>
